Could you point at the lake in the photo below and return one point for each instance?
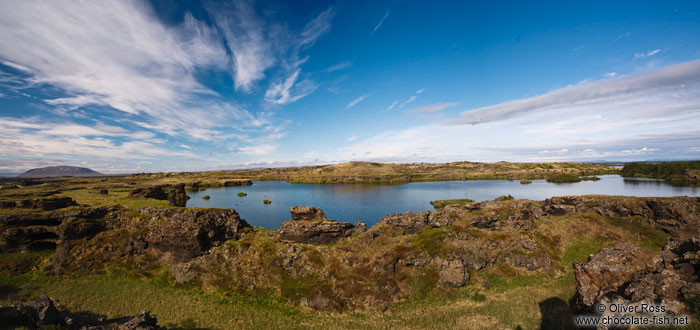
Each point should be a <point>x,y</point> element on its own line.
<point>370,202</point>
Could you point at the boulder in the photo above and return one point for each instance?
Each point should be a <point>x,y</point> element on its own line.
<point>44,311</point>
<point>156,192</point>
<point>452,272</point>
<point>308,213</point>
<point>143,321</point>
<point>628,275</point>
<point>608,270</point>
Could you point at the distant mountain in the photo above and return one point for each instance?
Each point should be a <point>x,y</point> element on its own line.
<point>58,171</point>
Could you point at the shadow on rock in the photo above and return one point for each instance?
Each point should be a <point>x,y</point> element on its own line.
<point>556,314</point>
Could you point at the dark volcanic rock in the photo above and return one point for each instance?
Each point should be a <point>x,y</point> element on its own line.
<point>156,192</point>
<point>143,321</point>
<point>177,195</point>
<point>156,234</point>
<point>311,226</point>
<point>104,192</point>
<point>235,183</point>
<point>608,270</point>
<point>409,222</point>
<point>629,275</point>
<point>308,213</point>
<point>7,204</point>
<point>48,204</point>
<point>43,313</point>
<point>676,216</point>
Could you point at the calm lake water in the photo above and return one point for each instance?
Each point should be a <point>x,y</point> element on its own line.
<point>370,202</point>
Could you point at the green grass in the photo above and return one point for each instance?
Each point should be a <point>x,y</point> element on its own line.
<point>647,237</point>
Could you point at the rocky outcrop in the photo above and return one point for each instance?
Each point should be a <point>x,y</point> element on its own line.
<point>177,196</point>
<point>608,270</point>
<point>8,204</point>
<point>310,226</point>
<point>48,204</point>
<point>629,275</point>
<point>40,231</point>
<point>240,182</point>
<point>43,313</point>
<point>500,214</point>
<point>163,235</point>
<point>677,216</point>
<point>156,192</point>
<point>308,213</point>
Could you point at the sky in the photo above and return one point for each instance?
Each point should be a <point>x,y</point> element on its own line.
<point>137,86</point>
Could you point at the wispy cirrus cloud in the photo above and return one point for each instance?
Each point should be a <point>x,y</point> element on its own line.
<point>356,101</point>
<point>381,21</point>
<point>432,107</point>
<point>647,54</point>
<point>286,89</point>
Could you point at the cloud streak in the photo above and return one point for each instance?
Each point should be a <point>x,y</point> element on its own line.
<point>381,21</point>
<point>654,86</point>
<point>433,107</point>
<point>356,101</point>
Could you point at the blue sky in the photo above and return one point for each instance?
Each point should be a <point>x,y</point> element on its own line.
<point>133,86</point>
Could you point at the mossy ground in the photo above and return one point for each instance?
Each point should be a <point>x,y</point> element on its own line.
<point>499,297</point>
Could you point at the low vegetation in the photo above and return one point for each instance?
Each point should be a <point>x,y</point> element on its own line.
<point>570,178</point>
<point>670,171</point>
<point>206,197</point>
<point>242,194</point>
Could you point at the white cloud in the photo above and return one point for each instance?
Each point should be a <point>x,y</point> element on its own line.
<point>410,99</point>
<point>352,138</point>
<point>432,107</point>
<point>381,21</point>
<point>340,66</point>
<point>356,101</point>
<point>144,71</point>
<point>610,74</point>
<point>392,105</point>
<point>420,91</point>
<point>287,90</point>
<point>252,53</point>
<point>653,86</point>
<point>647,54</point>
<point>185,146</point>
<point>623,119</point>
<point>263,149</point>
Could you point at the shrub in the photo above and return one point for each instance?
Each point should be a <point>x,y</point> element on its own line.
<point>206,197</point>
<point>267,201</point>
<point>242,194</point>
